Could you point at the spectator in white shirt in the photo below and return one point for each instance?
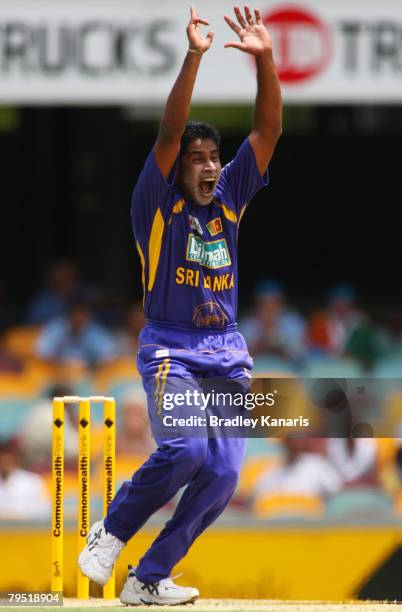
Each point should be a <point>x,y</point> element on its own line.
<point>23,495</point>
<point>305,472</point>
<point>354,459</point>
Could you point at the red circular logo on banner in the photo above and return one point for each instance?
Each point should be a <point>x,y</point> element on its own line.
<point>302,43</point>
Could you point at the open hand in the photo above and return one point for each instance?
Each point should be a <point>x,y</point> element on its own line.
<point>254,38</point>
<point>197,42</point>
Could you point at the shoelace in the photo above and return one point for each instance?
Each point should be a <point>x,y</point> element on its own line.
<point>114,551</point>
<point>153,587</point>
<point>94,541</point>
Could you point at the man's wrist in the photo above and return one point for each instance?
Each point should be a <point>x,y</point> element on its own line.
<point>195,51</point>
<point>266,56</point>
<point>268,52</point>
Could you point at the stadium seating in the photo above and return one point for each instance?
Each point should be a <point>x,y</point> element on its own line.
<point>360,502</point>
<point>285,507</point>
<point>332,367</point>
<point>21,340</point>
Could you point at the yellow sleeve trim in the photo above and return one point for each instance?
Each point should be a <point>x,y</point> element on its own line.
<point>155,245</point>
<point>142,259</point>
<point>178,207</point>
<point>229,214</point>
<point>243,210</point>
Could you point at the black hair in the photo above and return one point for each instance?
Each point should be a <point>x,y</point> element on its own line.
<point>197,129</point>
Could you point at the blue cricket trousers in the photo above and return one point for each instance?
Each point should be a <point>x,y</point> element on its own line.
<point>208,466</point>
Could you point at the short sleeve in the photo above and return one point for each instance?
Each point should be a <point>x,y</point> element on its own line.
<point>50,340</point>
<point>152,192</point>
<point>101,344</point>
<point>240,179</point>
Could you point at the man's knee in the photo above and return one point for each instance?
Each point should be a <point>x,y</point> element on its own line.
<point>189,454</point>
<point>225,478</point>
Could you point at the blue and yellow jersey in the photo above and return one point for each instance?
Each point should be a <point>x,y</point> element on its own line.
<point>188,252</point>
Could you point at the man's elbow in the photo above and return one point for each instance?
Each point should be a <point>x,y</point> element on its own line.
<point>277,132</point>
<point>270,134</point>
<point>276,128</point>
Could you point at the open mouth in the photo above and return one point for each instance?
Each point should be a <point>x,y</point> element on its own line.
<point>207,187</point>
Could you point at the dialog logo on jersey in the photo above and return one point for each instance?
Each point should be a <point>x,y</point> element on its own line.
<point>302,42</point>
<point>215,226</point>
<point>209,254</point>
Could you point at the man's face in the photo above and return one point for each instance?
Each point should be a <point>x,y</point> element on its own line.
<point>79,316</point>
<point>199,172</point>
<point>8,463</point>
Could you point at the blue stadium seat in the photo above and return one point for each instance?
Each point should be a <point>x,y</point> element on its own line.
<point>272,365</point>
<point>389,367</point>
<point>12,414</point>
<point>332,367</point>
<point>359,502</point>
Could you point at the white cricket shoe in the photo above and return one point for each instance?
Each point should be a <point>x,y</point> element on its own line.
<point>98,557</point>
<point>162,593</point>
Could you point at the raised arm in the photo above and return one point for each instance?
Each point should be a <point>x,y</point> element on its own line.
<point>267,119</point>
<point>178,103</point>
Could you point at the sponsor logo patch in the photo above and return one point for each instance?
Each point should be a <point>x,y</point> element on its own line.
<point>211,255</point>
<point>215,226</point>
<point>162,353</point>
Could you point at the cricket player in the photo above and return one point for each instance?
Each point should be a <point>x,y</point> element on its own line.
<point>186,211</point>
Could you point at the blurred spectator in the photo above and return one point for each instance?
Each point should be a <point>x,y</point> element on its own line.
<point>62,283</point>
<point>36,434</point>
<point>364,344</point>
<point>304,472</point>
<point>330,329</point>
<point>398,460</point>
<point>390,334</point>
<point>76,339</point>
<point>23,494</point>
<point>9,362</point>
<point>127,338</point>
<point>108,307</point>
<point>273,328</point>
<point>354,459</point>
<point>134,435</point>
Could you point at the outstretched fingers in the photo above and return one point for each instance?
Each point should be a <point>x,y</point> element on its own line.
<point>244,24</point>
<point>249,16</point>
<point>193,14</point>
<point>235,45</point>
<point>240,17</point>
<point>195,19</point>
<point>202,21</point>
<point>258,18</point>
<point>232,25</point>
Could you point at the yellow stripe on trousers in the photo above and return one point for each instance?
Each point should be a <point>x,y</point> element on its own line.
<point>157,378</point>
<point>161,376</point>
